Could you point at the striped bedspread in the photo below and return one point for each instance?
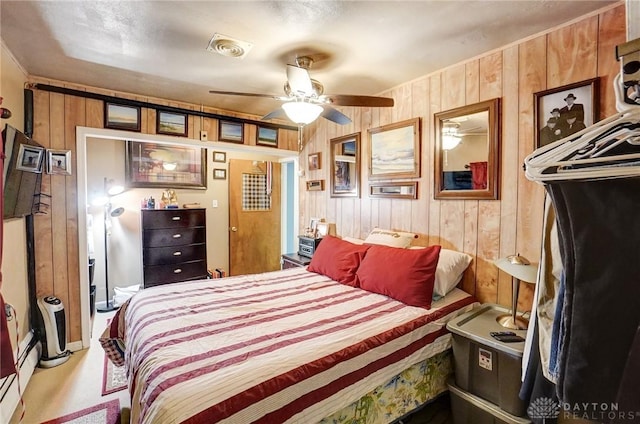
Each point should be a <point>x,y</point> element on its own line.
<point>287,346</point>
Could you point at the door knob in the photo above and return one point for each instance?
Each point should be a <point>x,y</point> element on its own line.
<point>234,229</point>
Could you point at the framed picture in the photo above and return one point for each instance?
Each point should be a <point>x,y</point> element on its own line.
<point>315,185</point>
<point>394,150</point>
<point>322,229</point>
<point>59,162</point>
<point>30,158</point>
<point>230,131</point>
<point>121,117</point>
<point>220,157</point>
<point>397,190</point>
<point>219,174</point>
<point>171,123</point>
<point>314,161</point>
<point>344,164</point>
<point>563,111</point>
<point>267,136</point>
<point>160,165</point>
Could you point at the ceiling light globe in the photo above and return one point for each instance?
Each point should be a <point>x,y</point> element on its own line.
<point>450,142</point>
<point>301,112</point>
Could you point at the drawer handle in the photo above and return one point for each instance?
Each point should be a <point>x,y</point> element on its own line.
<point>175,218</point>
<point>176,236</point>
<point>177,271</point>
<point>178,253</point>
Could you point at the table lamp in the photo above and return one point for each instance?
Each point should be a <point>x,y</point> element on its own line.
<point>520,269</point>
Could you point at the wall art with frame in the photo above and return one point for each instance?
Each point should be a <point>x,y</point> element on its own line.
<point>59,162</point>
<point>160,165</point>
<point>267,136</point>
<point>563,111</point>
<point>394,150</point>
<point>121,117</point>
<point>30,158</point>
<point>230,131</point>
<point>171,123</point>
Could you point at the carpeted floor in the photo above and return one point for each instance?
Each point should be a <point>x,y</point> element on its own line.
<point>104,413</point>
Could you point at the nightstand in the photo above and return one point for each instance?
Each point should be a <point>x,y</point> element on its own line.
<point>487,371</point>
<point>293,260</point>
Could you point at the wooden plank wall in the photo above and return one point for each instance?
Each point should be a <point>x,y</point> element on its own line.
<point>56,117</point>
<point>486,229</point>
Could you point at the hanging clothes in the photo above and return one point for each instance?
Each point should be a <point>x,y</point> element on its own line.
<point>593,179</point>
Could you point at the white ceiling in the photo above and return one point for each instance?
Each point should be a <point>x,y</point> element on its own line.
<point>158,48</point>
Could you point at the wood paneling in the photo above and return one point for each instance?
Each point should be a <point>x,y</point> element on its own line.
<point>486,229</point>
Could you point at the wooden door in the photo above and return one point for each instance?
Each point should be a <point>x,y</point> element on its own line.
<point>254,217</point>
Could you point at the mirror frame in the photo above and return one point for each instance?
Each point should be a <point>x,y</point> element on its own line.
<point>493,160</point>
<point>334,142</point>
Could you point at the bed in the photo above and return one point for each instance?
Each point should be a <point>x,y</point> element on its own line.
<point>286,346</point>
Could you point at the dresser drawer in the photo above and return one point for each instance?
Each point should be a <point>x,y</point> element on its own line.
<point>164,274</point>
<point>172,218</point>
<point>174,255</point>
<point>173,237</point>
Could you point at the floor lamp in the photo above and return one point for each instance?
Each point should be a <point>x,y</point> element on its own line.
<point>110,190</point>
<point>520,269</point>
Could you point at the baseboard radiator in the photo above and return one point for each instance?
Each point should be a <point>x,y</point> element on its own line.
<point>30,350</point>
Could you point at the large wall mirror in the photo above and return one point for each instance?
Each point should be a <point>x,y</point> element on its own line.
<point>345,166</point>
<point>467,154</point>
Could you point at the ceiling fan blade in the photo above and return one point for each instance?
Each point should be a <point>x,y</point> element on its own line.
<point>236,93</point>
<point>276,114</point>
<point>352,100</point>
<point>299,80</point>
<point>334,115</point>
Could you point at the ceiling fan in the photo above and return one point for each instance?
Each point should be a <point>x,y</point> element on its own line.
<point>305,99</point>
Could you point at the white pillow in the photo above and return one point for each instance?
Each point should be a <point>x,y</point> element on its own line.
<point>390,238</point>
<point>449,271</point>
<point>451,266</point>
<point>353,240</point>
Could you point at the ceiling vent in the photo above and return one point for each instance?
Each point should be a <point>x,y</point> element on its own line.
<point>228,46</point>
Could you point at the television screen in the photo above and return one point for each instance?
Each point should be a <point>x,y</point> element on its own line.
<point>22,172</point>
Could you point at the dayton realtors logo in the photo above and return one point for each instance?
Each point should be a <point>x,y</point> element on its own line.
<point>543,408</point>
<point>546,408</point>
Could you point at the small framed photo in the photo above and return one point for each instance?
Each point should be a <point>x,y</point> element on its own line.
<point>220,157</point>
<point>315,185</point>
<point>563,111</point>
<point>59,162</point>
<point>322,229</point>
<point>230,131</point>
<point>30,158</point>
<point>314,161</point>
<point>121,117</point>
<point>219,174</point>
<point>171,123</point>
<point>267,136</point>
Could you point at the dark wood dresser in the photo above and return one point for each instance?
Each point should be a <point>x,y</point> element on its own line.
<point>174,245</point>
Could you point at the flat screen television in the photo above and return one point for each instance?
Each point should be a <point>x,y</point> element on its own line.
<point>22,173</point>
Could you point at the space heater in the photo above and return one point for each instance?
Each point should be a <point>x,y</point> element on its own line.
<point>53,332</point>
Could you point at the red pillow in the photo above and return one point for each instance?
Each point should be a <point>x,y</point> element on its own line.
<point>338,260</point>
<point>404,274</point>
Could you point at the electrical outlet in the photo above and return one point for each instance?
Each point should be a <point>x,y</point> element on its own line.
<point>204,136</point>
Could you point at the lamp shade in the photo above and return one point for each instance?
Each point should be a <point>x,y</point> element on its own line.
<point>518,267</point>
<point>302,112</point>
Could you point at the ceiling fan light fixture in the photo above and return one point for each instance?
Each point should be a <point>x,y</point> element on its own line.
<point>450,141</point>
<point>229,46</point>
<point>302,113</point>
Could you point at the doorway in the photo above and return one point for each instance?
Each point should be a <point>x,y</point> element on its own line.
<point>254,216</point>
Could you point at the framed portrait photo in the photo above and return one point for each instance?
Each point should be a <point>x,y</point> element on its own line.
<point>315,161</point>
<point>563,111</point>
